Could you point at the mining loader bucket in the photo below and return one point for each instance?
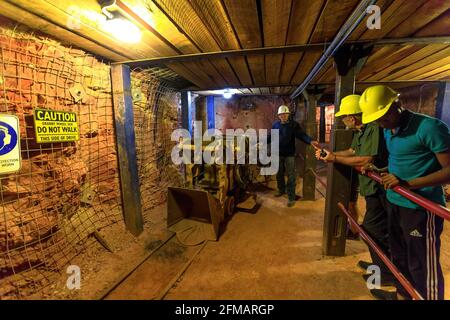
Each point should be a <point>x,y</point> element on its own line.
<point>194,215</point>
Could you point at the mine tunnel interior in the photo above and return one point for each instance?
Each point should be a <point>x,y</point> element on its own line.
<point>99,98</point>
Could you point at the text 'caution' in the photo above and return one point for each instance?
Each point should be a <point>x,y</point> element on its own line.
<point>55,126</point>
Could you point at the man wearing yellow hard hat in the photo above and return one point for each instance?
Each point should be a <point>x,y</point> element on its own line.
<point>419,159</point>
<point>367,146</point>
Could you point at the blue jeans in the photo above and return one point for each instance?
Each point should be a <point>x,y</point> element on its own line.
<point>287,167</point>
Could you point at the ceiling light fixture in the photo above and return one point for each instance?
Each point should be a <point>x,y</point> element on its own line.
<point>227,94</point>
<point>117,25</point>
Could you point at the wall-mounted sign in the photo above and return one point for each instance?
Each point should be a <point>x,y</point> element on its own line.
<point>10,160</point>
<point>55,126</point>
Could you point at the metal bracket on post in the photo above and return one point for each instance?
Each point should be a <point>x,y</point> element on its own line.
<point>348,61</point>
<point>126,148</point>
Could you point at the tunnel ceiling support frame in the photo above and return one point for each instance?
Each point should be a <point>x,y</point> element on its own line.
<point>163,61</point>
<point>126,148</point>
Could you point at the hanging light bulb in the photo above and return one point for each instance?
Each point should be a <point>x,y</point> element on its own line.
<point>227,94</point>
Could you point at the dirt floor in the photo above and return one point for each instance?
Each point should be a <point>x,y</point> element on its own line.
<point>101,269</point>
<point>275,253</point>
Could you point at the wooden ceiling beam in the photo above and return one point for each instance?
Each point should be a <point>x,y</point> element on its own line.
<point>429,11</point>
<point>412,58</point>
<point>280,49</point>
<point>276,16</point>
<point>426,63</point>
<point>244,18</point>
<point>290,85</point>
<point>67,35</point>
<point>87,20</point>
<point>300,31</point>
<point>437,27</point>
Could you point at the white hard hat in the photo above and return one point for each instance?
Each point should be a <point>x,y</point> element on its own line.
<point>283,109</point>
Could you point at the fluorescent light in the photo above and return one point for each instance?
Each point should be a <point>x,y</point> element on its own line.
<point>123,30</point>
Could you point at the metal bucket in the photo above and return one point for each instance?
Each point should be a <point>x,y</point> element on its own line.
<point>195,215</point>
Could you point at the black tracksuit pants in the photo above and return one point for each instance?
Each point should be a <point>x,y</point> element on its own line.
<point>375,223</point>
<point>414,239</point>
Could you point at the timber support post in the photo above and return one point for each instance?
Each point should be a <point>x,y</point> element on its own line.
<point>126,148</point>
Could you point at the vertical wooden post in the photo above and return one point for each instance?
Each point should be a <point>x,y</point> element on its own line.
<point>185,110</point>
<point>338,176</point>
<point>126,148</point>
<point>309,179</point>
<point>322,124</point>
<point>200,112</point>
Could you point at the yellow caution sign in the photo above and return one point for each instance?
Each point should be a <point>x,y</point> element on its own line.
<point>10,160</point>
<point>55,126</point>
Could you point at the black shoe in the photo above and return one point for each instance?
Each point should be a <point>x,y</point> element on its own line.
<point>364,264</point>
<point>385,281</point>
<point>383,294</point>
<point>291,203</point>
<point>279,194</point>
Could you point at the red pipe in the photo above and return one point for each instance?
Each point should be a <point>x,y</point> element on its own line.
<point>400,277</point>
<point>437,209</point>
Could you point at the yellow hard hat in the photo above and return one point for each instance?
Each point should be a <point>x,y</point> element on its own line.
<point>283,109</point>
<point>376,101</point>
<point>349,105</point>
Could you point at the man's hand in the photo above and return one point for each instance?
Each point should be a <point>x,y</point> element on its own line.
<point>367,167</point>
<point>390,181</point>
<point>328,157</point>
<point>315,144</point>
<point>371,167</point>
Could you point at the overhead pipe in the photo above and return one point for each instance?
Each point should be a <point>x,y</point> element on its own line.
<point>349,26</point>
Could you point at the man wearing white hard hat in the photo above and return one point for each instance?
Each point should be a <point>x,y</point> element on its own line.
<point>289,130</point>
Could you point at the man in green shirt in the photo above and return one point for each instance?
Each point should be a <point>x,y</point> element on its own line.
<point>367,147</point>
<point>419,159</point>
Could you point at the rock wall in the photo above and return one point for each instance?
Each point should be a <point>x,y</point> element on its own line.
<point>421,98</point>
<point>156,115</point>
<point>65,192</point>
<point>257,112</point>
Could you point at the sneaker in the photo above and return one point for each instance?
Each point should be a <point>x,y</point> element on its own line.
<point>383,294</point>
<point>364,264</point>
<point>385,281</point>
<point>291,203</point>
<point>279,193</point>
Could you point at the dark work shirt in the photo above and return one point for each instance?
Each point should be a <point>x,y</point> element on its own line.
<point>370,142</point>
<point>288,132</point>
